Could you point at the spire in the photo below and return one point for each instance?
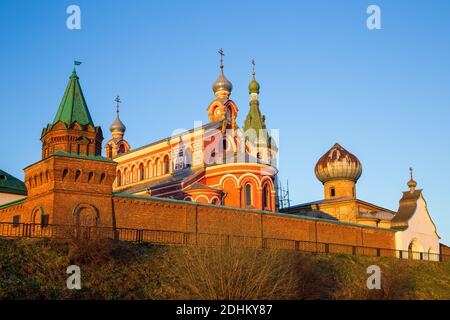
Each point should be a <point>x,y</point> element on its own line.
<point>255,120</point>
<point>117,128</point>
<point>73,107</point>
<point>411,183</point>
<point>222,86</point>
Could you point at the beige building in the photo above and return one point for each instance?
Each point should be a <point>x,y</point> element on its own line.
<point>11,188</point>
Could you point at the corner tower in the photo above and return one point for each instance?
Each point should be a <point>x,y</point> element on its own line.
<point>72,129</point>
<point>72,184</point>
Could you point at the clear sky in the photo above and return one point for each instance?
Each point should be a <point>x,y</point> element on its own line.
<point>325,78</point>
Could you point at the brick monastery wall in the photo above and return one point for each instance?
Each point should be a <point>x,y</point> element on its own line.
<point>128,211</point>
<point>170,215</point>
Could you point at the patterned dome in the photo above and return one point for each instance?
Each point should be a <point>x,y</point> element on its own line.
<point>338,163</point>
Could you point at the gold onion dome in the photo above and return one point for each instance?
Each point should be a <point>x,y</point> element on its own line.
<point>338,163</point>
<point>412,183</point>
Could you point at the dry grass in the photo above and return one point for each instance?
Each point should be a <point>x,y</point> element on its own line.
<point>36,269</point>
<point>226,273</point>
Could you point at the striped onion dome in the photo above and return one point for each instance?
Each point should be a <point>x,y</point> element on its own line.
<point>338,163</point>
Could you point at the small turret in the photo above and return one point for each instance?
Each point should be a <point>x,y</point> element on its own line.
<point>222,87</point>
<point>117,145</point>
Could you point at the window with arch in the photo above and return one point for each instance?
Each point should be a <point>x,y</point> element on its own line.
<point>102,178</point>
<point>125,176</point>
<point>215,201</point>
<point>132,174</point>
<point>119,178</point>
<point>91,175</point>
<point>141,172</point>
<point>166,165</point>
<point>332,192</point>
<point>157,167</point>
<point>77,175</point>
<point>150,172</point>
<point>248,194</point>
<point>265,197</point>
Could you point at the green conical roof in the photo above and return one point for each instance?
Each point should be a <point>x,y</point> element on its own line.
<point>73,107</point>
<point>255,120</point>
<point>10,184</point>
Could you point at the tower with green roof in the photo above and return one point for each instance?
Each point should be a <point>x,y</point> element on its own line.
<point>72,130</point>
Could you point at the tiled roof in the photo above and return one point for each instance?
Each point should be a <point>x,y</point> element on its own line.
<point>10,184</point>
<point>73,107</point>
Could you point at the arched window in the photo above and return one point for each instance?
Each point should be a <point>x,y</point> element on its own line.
<point>141,172</point>
<point>119,178</point>
<point>77,175</point>
<point>125,176</point>
<point>265,197</point>
<point>248,194</point>
<point>65,173</point>
<point>133,174</point>
<point>150,172</point>
<point>166,165</point>
<point>102,178</point>
<point>157,167</point>
<point>121,148</point>
<point>91,175</point>
<point>332,192</point>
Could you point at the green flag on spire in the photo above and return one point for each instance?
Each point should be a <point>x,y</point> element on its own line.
<point>77,63</point>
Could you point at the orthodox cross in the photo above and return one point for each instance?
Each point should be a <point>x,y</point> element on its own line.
<point>117,99</point>
<point>411,172</point>
<point>253,68</point>
<point>221,57</point>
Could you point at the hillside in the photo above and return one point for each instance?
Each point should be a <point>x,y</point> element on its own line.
<point>36,269</point>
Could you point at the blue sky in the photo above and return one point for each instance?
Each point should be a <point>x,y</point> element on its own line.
<point>325,78</point>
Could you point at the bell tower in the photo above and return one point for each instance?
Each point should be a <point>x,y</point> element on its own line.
<point>222,108</point>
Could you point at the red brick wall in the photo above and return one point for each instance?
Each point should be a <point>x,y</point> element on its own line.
<point>159,214</point>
